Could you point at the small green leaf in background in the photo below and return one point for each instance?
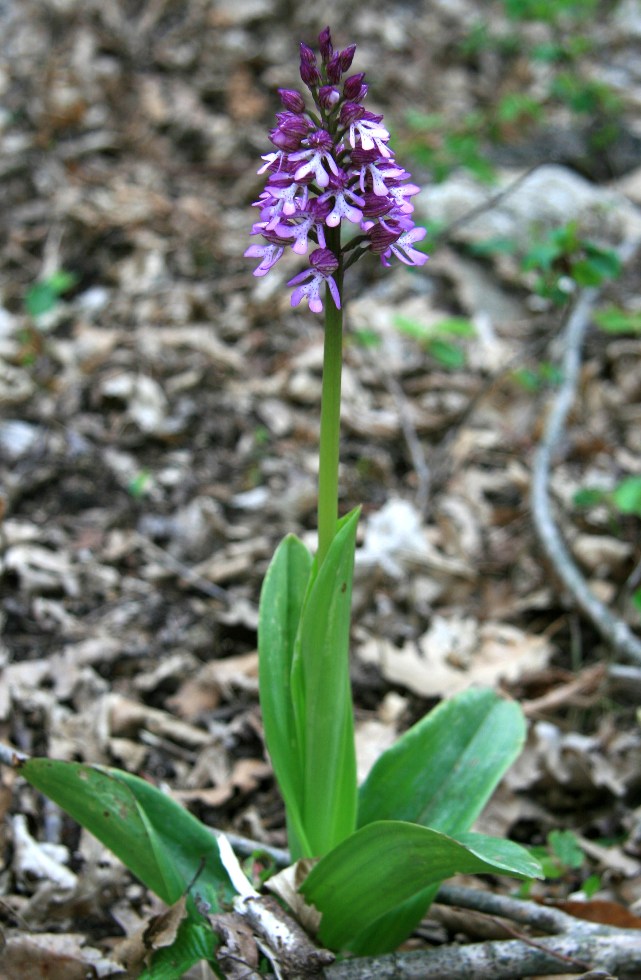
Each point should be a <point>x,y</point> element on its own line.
<point>589,497</point>
<point>434,338</point>
<point>615,320</point>
<point>365,337</point>
<point>627,496</point>
<point>139,484</point>
<point>41,297</point>
<point>597,266</point>
<point>566,848</point>
<point>492,246</point>
<point>385,863</point>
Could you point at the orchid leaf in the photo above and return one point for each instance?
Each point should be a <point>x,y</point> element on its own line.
<point>281,603</point>
<point>440,774</point>
<point>322,696</point>
<point>162,844</point>
<point>388,862</point>
<point>443,770</point>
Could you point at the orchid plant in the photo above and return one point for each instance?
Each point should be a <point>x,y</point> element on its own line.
<point>334,192</point>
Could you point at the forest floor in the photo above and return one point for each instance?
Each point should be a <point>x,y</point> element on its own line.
<point>160,422</point>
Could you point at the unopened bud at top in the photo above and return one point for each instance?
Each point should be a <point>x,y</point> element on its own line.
<point>325,45</point>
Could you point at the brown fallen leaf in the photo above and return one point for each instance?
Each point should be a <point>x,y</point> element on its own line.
<point>54,956</point>
<point>600,910</point>
<point>159,932</point>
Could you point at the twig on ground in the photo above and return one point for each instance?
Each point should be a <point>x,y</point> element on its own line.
<point>618,953</point>
<point>184,571</point>
<point>614,630</point>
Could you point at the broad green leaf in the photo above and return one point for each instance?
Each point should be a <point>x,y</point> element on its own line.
<point>162,844</point>
<point>442,771</point>
<point>322,697</point>
<point>281,602</point>
<point>440,774</point>
<point>386,863</point>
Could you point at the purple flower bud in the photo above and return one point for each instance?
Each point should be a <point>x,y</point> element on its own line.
<point>347,56</point>
<point>307,56</point>
<point>334,70</point>
<point>324,261</point>
<point>308,67</point>
<point>328,96</point>
<point>310,74</point>
<point>291,130</point>
<point>283,140</point>
<point>350,112</point>
<point>292,100</point>
<point>381,237</point>
<point>354,86</point>
<point>293,122</point>
<point>325,45</point>
<point>376,206</point>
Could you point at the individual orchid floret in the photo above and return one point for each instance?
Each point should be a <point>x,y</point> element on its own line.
<point>281,198</point>
<point>328,96</point>
<point>385,241</point>
<point>375,169</point>
<point>365,127</point>
<point>311,224</point>
<point>325,45</point>
<point>320,151</point>
<point>342,194</point>
<point>323,264</point>
<point>269,253</point>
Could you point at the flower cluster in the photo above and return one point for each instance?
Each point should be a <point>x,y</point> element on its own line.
<point>330,164</point>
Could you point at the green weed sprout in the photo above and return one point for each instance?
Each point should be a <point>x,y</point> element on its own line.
<point>381,849</point>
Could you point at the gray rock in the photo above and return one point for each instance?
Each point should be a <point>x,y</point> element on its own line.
<point>547,198</point>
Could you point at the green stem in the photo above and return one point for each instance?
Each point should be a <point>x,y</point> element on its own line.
<point>330,413</point>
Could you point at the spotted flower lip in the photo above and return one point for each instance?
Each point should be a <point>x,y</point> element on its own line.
<point>332,164</point>
<point>323,264</point>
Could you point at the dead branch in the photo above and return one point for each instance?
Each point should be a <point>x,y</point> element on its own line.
<point>619,953</point>
<point>614,630</point>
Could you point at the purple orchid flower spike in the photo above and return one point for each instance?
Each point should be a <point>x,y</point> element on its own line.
<point>332,164</point>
